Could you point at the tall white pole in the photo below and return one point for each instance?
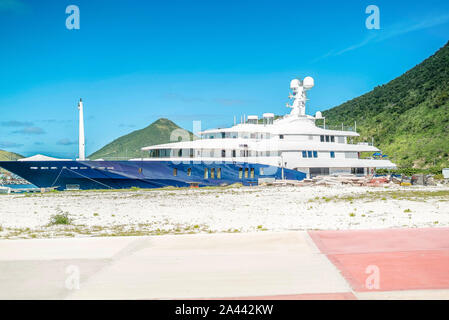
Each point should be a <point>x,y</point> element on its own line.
<point>82,154</point>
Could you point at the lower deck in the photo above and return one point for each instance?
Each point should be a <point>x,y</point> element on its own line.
<point>64,175</point>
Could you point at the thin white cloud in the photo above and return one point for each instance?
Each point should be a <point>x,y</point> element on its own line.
<point>66,142</point>
<point>12,5</point>
<point>30,131</point>
<point>376,36</point>
<point>8,144</point>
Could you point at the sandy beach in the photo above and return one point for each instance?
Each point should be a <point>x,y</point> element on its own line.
<point>215,210</point>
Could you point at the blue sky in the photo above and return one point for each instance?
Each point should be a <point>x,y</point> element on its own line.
<point>133,62</point>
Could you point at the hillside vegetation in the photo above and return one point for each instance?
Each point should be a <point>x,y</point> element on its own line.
<point>128,146</point>
<point>408,117</point>
<point>5,156</point>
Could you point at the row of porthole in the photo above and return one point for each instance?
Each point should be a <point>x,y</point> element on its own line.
<point>314,154</point>
<point>211,173</point>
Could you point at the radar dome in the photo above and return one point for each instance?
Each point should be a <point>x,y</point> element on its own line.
<point>318,115</point>
<point>295,83</point>
<point>308,83</point>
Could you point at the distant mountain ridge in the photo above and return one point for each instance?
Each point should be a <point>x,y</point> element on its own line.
<point>408,117</point>
<point>128,146</point>
<point>5,156</point>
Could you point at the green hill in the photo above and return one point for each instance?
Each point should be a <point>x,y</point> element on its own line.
<point>128,146</point>
<point>408,117</point>
<point>5,156</point>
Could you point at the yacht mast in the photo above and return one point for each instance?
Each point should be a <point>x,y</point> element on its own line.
<point>82,154</point>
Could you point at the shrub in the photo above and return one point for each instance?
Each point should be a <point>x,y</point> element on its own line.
<point>61,218</point>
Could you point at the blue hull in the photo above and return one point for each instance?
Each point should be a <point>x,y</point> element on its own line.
<point>142,174</point>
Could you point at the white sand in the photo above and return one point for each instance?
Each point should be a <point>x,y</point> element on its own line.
<point>221,210</point>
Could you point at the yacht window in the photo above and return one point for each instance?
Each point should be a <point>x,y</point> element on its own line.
<point>223,153</point>
<point>261,172</point>
<point>309,154</point>
<point>206,173</point>
<point>315,154</point>
<point>233,153</point>
<point>252,173</point>
<point>219,173</point>
<point>304,154</point>
<point>327,138</point>
<point>240,173</point>
<point>222,135</point>
<point>212,173</point>
<point>281,136</point>
<point>189,172</point>
<point>180,153</point>
<point>54,168</point>
<point>246,173</point>
<point>34,168</point>
<point>332,138</point>
<point>322,138</point>
<point>357,170</point>
<point>175,172</point>
<point>332,154</point>
<point>44,168</point>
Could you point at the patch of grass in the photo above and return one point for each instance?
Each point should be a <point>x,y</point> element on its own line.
<point>407,210</point>
<point>60,218</point>
<point>411,195</point>
<point>96,214</point>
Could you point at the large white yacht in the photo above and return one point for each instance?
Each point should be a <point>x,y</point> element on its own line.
<point>292,142</point>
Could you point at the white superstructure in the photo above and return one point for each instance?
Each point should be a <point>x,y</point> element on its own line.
<point>293,142</point>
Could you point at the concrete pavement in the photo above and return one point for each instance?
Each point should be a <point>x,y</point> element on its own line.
<point>402,264</point>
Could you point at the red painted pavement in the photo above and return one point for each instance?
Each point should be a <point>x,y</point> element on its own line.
<point>407,258</point>
<point>383,240</point>
<point>307,296</point>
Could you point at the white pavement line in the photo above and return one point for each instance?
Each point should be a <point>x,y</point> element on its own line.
<point>333,267</point>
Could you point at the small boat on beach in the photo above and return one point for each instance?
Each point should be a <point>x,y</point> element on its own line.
<point>5,190</point>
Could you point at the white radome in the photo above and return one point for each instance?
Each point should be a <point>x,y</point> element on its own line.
<point>308,83</point>
<point>295,83</point>
<point>318,115</point>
